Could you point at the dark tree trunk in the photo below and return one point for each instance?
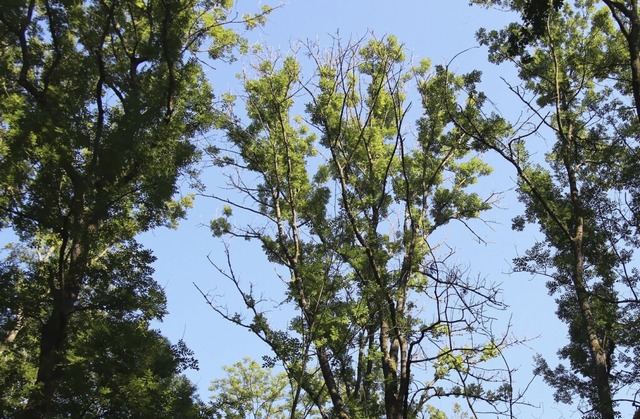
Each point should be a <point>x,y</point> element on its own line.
<point>631,31</point>
<point>52,341</point>
<point>54,332</point>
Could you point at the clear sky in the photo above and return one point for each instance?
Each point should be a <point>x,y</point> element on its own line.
<point>434,29</point>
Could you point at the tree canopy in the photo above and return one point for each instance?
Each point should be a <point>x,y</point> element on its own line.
<point>387,322</point>
<point>353,169</point>
<point>100,105</point>
<point>578,85</point>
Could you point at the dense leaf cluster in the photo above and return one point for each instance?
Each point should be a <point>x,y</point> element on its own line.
<point>101,102</point>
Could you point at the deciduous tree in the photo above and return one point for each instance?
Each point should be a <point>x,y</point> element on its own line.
<point>346,199</point>
<point>99,105</point>
<point>581,197</point>
<point>251,391</point>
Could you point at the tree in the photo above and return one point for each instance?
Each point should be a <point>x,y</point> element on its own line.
<point>250,391</point>
<point>115,366</point>
<point>99,106</point>
<point>347,201</point>
<point>579,197</point>
<point>535,16</point>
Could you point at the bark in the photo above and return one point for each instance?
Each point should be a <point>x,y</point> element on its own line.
<point>327,374</point>
<point>596,349</point>
<point>322,354</point>
<point>598,352</point>
<point>51,357</point>
<point>635,78</point>
<point>64,288</point>
<point>54,333</point>
<point>392,401</point>
<point>631,32</point>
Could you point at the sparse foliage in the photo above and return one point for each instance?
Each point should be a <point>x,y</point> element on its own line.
<point>347,199</point>
<point>578,96</point>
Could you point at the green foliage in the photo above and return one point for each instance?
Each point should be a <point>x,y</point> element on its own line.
<point>573,53</point>
<point>115,365</point>
<point>99,108</point>
<point>435,413</point>
<point>119,368</point>
<point>346,202</point>
<point>250,391</point>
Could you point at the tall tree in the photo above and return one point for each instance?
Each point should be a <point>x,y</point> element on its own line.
<point>115,366</point>
<point>580,197</point>
<point>347,201</point>
<point>99,105</point>
<point>535,16</point>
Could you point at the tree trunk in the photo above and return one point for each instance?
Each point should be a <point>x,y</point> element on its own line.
<point>632,36</point>
<point>52,341</point>
<point>598,352</point>
<point>392,400</point>
<point>634,55</point>
<point>327,374</point>
<point>54,332</point>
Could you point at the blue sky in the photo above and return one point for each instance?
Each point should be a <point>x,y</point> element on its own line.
<point>437,30</point>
